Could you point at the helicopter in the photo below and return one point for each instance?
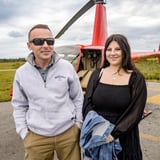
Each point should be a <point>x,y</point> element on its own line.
<point>87,57</point>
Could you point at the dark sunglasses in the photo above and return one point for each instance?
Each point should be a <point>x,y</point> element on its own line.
<point>40,41</point>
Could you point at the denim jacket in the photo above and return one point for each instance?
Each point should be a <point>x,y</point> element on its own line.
<point>94,131</point>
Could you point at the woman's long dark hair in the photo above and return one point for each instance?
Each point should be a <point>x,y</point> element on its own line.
<point>127,63</point>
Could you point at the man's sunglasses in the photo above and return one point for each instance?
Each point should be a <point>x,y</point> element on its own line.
<point>40,41</point>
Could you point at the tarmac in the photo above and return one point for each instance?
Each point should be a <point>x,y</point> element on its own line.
<point>150,126</point>
<point>11,147</point>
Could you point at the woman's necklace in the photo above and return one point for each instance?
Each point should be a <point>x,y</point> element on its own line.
<point>114,76</point>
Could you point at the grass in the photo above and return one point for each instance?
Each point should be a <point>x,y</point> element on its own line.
<point>7,71</point>
<point>6,85</point>
<point>149,67</point>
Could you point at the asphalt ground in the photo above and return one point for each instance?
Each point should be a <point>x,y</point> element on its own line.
<point>11,146</point>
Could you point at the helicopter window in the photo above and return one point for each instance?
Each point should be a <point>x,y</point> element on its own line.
<point>73,59</point>
<point>69,53</point>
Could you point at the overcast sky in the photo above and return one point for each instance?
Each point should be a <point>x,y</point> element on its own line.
<point>139,20</point>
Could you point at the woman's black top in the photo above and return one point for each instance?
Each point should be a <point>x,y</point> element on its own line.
<point>121,105</point>
<point>111,100</point>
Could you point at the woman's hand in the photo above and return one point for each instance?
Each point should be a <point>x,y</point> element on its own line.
<point>109,139</point>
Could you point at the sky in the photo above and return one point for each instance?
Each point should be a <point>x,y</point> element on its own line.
<point>138,20</point>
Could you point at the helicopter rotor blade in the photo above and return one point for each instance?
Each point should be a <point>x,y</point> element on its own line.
<point>86,7</point>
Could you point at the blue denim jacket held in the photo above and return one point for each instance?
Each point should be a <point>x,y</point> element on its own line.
<point>94,131</point>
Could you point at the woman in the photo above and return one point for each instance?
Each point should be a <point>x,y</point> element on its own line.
<point>118,92</point>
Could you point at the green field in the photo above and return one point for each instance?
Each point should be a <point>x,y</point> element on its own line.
<point>7,71</point>
<point>150,68</point>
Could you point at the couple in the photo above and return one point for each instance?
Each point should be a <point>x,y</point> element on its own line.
<point>49,107</point>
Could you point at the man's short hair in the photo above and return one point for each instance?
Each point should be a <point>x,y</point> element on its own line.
<point>40,26</point>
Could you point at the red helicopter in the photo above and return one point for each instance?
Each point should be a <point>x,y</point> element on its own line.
<point>85,58</point>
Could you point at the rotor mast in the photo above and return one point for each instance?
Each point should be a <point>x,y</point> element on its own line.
<point>100,24</point>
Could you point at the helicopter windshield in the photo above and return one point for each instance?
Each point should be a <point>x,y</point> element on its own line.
<point>69,53</point>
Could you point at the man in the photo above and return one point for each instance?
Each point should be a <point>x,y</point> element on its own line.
<point>47,101</point>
